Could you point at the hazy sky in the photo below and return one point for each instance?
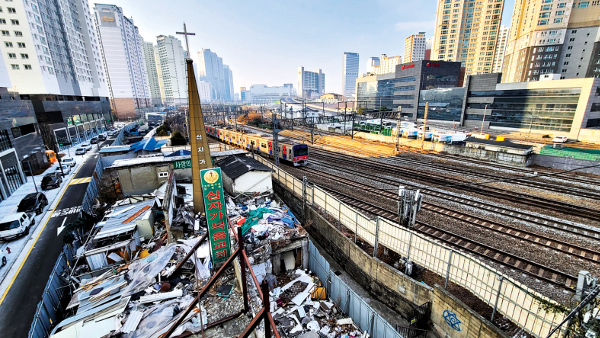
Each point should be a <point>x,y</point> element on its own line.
<point>265,41</point>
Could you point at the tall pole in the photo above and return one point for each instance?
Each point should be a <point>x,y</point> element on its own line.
<point>32,176</point>
<point>346,106</point>
<point>425,124</point>
<point>275,140</point>
<point>483,121</point>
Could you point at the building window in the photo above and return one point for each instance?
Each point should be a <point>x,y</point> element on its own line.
<point>5,33</point>
<point>11,10</point>
<point>543,22</point>
<point>2,21</point>
<point>585,4</point>
<point>571,39</point>
<point>566,63</point>
<point>558,20</point>
<point>27,67</point>
<point>12,55</point>
<point>15,67</point>
<point>8,44</point>
<point>21,44</point>
<point>18,33</point>
<point>24,56</point>
<point>14,22</point>
<point>568,55</point>
<point>570,47</point>
<point>163,174</point>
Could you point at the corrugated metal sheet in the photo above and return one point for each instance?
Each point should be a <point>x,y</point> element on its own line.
<point>132,322</point>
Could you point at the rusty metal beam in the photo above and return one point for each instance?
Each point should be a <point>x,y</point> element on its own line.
<point>189,254</point>
<point>224,319</point>
<point>243,264</point>
<point>253,324</point>
<point>201,294</point>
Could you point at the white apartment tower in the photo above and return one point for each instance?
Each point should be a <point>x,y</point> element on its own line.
<point>51,47</point>
<point>466,31</point>
<point>311,84</point>
<point>414,47</point>
<point>150,60</point>
<point>171,58</point>
<point>500,49</point>
<point>387,64</point>
<point>127,76</point>
<point>372,62</point>
<point>349,74</point>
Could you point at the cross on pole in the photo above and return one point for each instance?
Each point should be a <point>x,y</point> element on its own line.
<point>187,44</point>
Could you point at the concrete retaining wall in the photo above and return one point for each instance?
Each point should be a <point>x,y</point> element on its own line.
<point>566,163</point>
<point>388,285</point>
<point>452,318</point>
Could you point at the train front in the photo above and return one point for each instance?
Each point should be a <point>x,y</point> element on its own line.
<point>300,154</point>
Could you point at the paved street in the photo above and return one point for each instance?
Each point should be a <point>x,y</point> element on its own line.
<point>24,293</point>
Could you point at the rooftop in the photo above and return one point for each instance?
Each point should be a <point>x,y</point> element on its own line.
<point>236,166</point>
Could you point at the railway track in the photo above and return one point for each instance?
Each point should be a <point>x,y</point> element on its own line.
<point>539,202</point>
<point>533,269</point>
<point>514,232</point>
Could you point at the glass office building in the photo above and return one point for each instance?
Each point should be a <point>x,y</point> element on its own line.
<point>445,104</point>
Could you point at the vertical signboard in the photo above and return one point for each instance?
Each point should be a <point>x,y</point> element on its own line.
<point>216,214</point>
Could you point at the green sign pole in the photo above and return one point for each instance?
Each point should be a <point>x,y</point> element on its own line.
<point>216,214</point>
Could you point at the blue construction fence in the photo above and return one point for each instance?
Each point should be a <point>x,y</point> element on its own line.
<point>92,189</point>
<point>367,319</point>
<point>56,293</point>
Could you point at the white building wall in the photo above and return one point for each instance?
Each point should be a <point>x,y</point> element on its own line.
<point>500,49</point>
<point>52,48</point>
<point>153,82</point>
<point>172,66</point>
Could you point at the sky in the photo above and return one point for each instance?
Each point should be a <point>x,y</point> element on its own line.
<point>265,41</point>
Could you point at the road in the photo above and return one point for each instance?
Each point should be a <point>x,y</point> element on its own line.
<point>21,299</point>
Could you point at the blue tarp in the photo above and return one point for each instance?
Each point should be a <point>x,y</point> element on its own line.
<point>181,152</point>
<point>150,144</point>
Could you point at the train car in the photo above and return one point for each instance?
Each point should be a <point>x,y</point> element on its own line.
<point>295,153</point>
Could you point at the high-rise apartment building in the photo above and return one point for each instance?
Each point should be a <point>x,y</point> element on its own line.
<point>212,70</point>
<point>428,46</point>
<point>311,84</point>
<point>122,44</point>
<point>414,47</point>
<point>387,64</point>
<point>500,49</point>
<point>260,93</point>
<point>150,59</point>
<point>467,31</point>
<point>171,58</point>
<point>372,62</point>
<point>349,74</point>
<point>553,37</point>
<point>52,48</point>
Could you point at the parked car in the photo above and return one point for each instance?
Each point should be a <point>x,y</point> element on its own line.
<point>87,146</point>
<point>102,137</point>
<point>94,140</point>
<point>66,170</point>
<point>80,151</point>
<point>15,225</point>
<point>34,202</point>
<point>69,161</point>
<point>560,139</point>
<point>51,180</point>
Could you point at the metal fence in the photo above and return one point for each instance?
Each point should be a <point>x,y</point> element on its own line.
<point>92,189</point>
<point>362,314</point>
<point>511,298</point>
<point>49,309</point>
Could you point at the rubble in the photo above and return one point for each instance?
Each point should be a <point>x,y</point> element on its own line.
<point>144,292</point>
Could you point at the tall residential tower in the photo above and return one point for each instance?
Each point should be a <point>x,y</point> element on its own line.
<point>171,58</point>
<point>414,47</point>
<point>553,37</point>
<point>349,74</point>
<point>467,31</point>
<point>122,44</point>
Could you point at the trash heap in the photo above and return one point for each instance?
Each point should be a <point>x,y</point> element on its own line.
<point>300,308</point>
<point>141,298</point>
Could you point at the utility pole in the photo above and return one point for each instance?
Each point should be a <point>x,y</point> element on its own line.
<point>236,118</point>
<point>346,106</point>
<point>424,123</point>
<point>380,118</point>
<point>483,121</point>
<point>275,140</point>
<point>312,132</point>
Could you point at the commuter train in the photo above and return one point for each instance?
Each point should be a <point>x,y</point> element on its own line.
<point>296,153</point>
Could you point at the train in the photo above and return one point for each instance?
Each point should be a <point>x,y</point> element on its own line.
<point>289,151</point>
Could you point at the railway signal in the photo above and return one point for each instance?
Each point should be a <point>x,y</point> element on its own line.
<point>408,206</point>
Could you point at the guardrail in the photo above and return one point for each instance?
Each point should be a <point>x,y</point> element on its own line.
<point>49,309</point>
<point>511,298</point>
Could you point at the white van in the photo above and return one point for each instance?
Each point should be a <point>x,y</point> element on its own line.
<point>15,225</point>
